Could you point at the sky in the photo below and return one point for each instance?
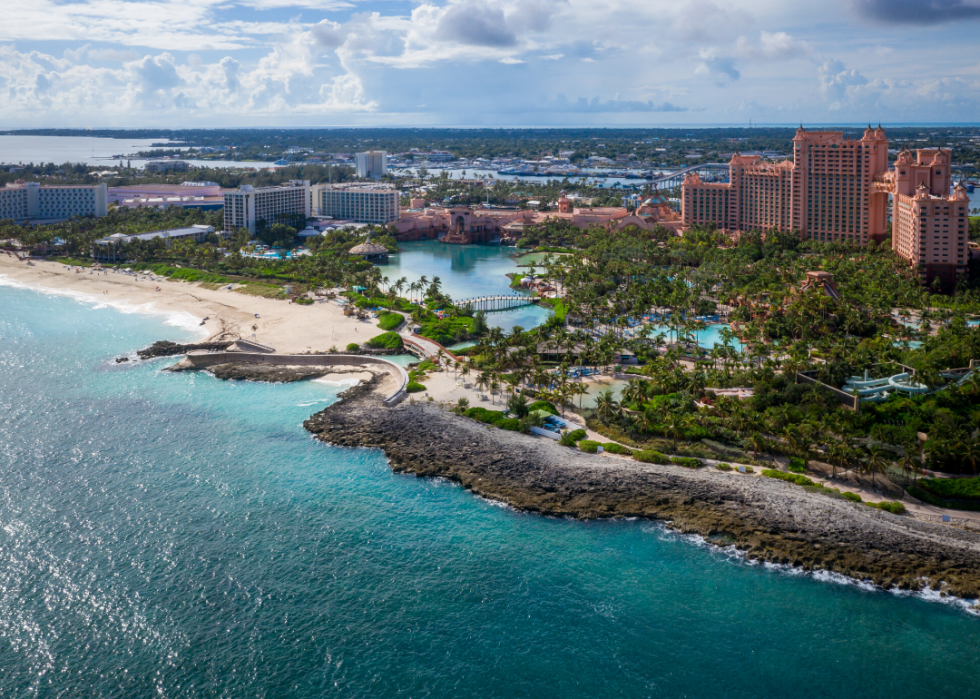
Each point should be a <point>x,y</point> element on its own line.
<point>322,63</point>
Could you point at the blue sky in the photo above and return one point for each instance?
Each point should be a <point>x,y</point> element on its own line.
<point>318,63</point>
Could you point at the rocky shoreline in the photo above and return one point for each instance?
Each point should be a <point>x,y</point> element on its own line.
<point>767,519</point>
<point>166,348</point>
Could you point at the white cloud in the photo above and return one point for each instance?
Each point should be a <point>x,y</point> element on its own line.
<point>837,83</point>
<point>720,69</point>
<point>510,61</point>
<point>775,46</point>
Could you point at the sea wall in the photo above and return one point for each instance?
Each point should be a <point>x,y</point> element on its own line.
<point>204,360</point>
<point>768,520</point>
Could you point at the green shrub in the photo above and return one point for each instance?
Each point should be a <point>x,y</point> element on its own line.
<point>650,456</point>
<point>566,440</point>
<point>796,465</point>
<point>790,477</point>
<point>388,340</point>
<point>390,321</point>
<point>686,462</point>
<point>952,488</point>
<point>576,435</point>
<point>353,347</point>
<point>614,448</point>
<point>932,499</point>
<point>509,423</point>
<point>414,387</point>
<point>853,497</point>
<point>925,496</point>
<point>896,508</point>
<point>723,467</point>
<point>304,301</point>
<point>588,446</point>
<point>749,469</point>
<point>543,405</point>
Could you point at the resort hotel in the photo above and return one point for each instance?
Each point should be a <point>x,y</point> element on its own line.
<point>30,201</point>
<point>837,190</point>
<point>249,205</point>
<point>363,203</point>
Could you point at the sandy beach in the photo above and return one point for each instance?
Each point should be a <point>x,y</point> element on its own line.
<point>288,327</point>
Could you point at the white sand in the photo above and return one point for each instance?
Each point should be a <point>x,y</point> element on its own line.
<point>289,328</point>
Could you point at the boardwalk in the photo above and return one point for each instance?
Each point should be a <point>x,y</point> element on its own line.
<point>489,304</point>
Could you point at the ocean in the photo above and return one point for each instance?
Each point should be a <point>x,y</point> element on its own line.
<point>173,535</point>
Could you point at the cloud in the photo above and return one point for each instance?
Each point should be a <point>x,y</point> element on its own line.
<point>719,68</point>
<point>836,82</point>
<point>917,11</point>
<point>596,105</point>
<point>510,61</point>
<point>703,20</point>
<point>328,35</point>
<point>554,57</point>
<point>155,74</point>
<point>476,23</point>
<point>771,47</point>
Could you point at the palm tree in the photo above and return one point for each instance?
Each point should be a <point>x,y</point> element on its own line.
<point>606,407</point>
<point>875,462</point>
<point>675,427</point>
<point>968,449</point>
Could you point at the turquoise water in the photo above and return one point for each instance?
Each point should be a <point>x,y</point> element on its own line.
<point>466,271</point>
<point>173,535</point>
<point>707,338</point>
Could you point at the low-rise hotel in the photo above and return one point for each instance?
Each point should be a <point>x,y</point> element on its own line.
<point>29,201</point>
<point>249,206</point>
<point>837,190</point>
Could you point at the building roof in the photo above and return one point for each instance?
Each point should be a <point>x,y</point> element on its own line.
<point>368,249</point>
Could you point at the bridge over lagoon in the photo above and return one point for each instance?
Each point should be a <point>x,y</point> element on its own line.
<point>489,304</point>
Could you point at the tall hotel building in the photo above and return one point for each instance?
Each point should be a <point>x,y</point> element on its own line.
<point>248,205</point>
<point>836,190</point>
<point>362,203</point>
<point>930,226</point>
<point>373,163</point>
<point>24,201</point>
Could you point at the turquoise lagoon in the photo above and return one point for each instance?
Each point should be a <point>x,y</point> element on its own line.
<point>173,535</point>
<point>466,271</point>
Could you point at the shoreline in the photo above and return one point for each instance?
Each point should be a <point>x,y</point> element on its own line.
<point>767,521</point>
<point>289,328</point>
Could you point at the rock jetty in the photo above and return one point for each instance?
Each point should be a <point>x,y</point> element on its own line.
<point>166,348</point>
<point>768,520</point>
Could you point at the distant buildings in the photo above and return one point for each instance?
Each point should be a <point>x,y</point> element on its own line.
<point>373,163</point>
<point>189,195</point>
<point>376,204</point>
<point>165,165</point>
<point>464,225</point>
<point>24,201</point>
<point>249,206</point>
<point>837,190</point>
<point>108,249</point>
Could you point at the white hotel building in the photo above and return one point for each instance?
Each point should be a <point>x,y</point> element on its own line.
<point>25,201</point>
<point>247,205</point>
<point>357,202</point>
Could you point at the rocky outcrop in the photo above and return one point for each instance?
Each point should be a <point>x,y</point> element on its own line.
<point>767,519</point>
<point>269,373</point>
<point>166,348</point>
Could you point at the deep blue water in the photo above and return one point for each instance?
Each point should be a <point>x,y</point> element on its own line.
<point>172,535</point>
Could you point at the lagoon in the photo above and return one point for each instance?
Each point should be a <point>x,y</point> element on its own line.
<point>466,271</point>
